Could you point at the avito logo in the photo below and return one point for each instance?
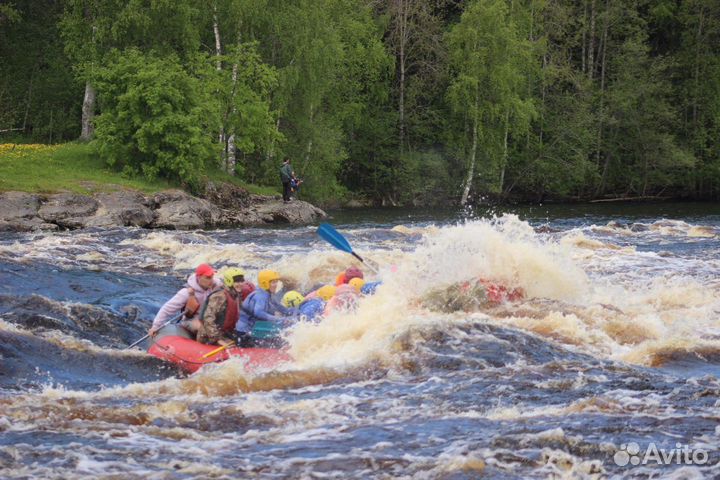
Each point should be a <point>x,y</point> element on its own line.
<point>680,455</point>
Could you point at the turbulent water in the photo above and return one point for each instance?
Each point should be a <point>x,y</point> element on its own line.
<point>615,348</point>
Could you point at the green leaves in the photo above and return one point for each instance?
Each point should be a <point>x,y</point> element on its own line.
<point>527,97</point>
<point>155,117</point>
<point>488,90</point>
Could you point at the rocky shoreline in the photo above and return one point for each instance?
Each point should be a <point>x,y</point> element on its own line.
<point>224,205</point>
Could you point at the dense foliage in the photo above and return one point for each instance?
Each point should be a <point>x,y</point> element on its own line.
<point>397,102</point>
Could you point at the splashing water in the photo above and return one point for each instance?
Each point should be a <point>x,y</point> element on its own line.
<point>616,340</point>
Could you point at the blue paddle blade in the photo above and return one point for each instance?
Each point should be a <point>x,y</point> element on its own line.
<point>334,238</point>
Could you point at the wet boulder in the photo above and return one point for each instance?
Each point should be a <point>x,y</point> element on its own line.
<point>224,205</point>
<point>125,207</point>
<point>19,212</point>
<point>68,210</point>
<point>296,211</point>
<point>178,210</point>
<point>227,195</point>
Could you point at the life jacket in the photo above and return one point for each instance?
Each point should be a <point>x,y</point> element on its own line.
<point>311,309</point>
<point>340,279</point>
<point>497,293</point>
<point>345,299</point>
<point>192,305</point>
<point>231,313</point>
<point>246,290</point>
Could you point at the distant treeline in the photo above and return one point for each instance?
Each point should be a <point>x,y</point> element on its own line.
<point>396,101</point>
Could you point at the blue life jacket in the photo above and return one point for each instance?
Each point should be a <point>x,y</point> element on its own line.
<point>369,288</point>
<point>259,305</point>
<point>311,309</point>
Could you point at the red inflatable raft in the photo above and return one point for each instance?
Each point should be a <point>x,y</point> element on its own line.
<point>174,345</point>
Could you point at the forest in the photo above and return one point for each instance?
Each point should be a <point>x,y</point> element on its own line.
<point>395,102</point>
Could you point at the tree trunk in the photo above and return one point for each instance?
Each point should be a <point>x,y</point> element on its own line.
<point>698,37</point>
<point>306,160</point>
<point>218,43</point>
<point>230,157</point>
<point>471,169</point>
<point>602,91</point>
<point>505,150</point>
<point>591,46</point>
<point>88,113</point>
<point>222,136</point>
<point>584,36</point>
<point>29,99</point>
<point>603,177</point>
<point>529,90</point>
<point>402,19</point>
<point>473,152</point>
<point>542,109</point>
<point>271,149</point>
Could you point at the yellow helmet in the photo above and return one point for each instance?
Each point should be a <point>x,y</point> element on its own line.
<point>230,274</point>
<point>267,276</point>
<point>292,299</point>
<point>326,292</point>
<point>357,283</point>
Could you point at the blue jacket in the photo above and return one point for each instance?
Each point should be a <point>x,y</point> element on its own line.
<point>311,309</point>
<point>369,288</point>
<point>259,305</point>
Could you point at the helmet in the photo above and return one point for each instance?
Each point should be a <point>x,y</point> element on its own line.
<point>353,272</point>
<point>326,292</point>
<point>292,299</point>
<point>357,283</point>
<point>265,277</point>
<point>230,274</point>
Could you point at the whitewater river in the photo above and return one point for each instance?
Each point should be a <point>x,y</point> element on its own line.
<point>613,354</point>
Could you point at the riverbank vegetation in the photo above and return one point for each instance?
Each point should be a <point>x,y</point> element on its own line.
<point>397,102</point>
<point>76,167</point>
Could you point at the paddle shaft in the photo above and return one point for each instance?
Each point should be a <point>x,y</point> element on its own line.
<point>172,320</point>
<point>218,350</point>
<point>363,262</point>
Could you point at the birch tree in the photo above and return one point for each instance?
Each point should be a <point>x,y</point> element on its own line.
<point>488,60</point>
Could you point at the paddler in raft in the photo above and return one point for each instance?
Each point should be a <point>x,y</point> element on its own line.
<point>220,313</point>
<point>188,300</point>
<point>349,273</point>
<point>312,306</point>
<point>260,305</point>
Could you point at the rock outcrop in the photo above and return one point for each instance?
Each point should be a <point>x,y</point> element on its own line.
<point>225,205</point>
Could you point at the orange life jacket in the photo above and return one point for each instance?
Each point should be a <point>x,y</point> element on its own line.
<point>192,305</point>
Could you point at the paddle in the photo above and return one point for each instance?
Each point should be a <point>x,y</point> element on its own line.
<point>172,320</point>
<point>218,350</point>
<point>328,233</point>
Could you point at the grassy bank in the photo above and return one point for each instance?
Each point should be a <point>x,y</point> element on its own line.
<point>76,167</point>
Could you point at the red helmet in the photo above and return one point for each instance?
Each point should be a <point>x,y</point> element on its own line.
<point>353,272</point>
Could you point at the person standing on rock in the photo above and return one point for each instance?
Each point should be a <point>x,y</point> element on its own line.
<point>286,176</point>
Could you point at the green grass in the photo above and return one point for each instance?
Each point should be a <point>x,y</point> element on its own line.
<point>220,176</point>
<point>76,167</point>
